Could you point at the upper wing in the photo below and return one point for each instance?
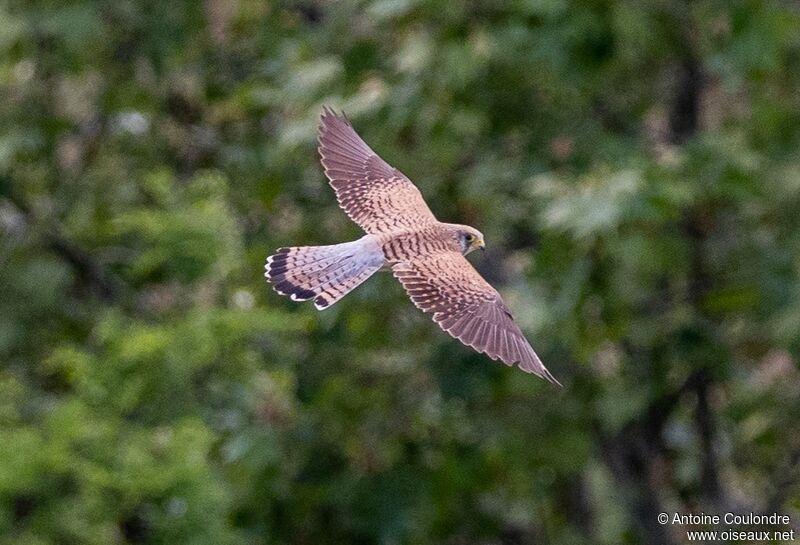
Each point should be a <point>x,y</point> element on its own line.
<point>376,196</point>
<point>468,308</point>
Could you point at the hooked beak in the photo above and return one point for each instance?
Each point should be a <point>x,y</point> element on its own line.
<point>482,245</point>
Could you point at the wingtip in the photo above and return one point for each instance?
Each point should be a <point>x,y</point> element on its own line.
<point>328,113</point>
<point>541,371</point>
<point>326,118</point>
<point>548,376</point>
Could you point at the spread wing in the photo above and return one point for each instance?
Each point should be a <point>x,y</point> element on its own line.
<point>468,308</point>
<point>378,197</point>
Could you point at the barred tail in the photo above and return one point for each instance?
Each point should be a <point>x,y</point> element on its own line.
<point>323,273</point>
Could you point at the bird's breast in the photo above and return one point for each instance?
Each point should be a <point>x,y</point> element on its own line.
<point>407,245</point>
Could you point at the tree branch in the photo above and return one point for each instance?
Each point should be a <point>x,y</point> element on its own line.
<point>90,273</point>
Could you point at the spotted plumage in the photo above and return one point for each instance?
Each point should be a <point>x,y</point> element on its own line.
<point>402,235</point>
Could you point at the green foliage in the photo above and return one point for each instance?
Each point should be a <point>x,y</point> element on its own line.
<point>633,165</point>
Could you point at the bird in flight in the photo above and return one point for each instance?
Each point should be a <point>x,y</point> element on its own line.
<point>403,236</point>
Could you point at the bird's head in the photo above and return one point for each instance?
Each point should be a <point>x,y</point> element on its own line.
<point>469,239</point>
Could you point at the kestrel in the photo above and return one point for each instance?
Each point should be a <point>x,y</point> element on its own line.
<point>403,236</point>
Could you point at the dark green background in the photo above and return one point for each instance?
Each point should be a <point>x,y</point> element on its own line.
<point>633,165</point>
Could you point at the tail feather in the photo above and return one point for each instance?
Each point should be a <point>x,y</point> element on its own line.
<point>297,270</point>
<point>291,261</point>
<point>340,284</point>
<point>323,273</point>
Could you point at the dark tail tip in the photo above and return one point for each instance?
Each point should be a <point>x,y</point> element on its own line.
<point>295,292</point>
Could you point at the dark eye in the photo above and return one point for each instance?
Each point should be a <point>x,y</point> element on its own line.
<point>470,238</point>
